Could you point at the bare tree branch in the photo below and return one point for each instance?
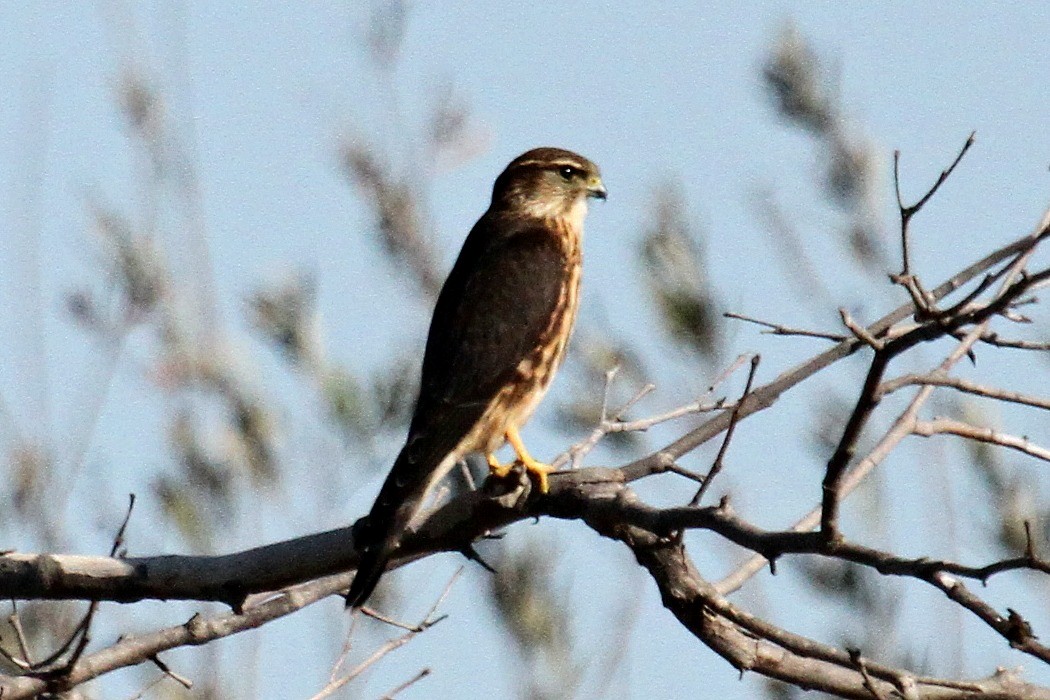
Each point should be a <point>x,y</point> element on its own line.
<point>950,426</point>
<point>940,378</point>
<point>307,569</point>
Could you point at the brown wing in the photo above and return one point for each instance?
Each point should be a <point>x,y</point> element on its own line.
<point>494,308</point>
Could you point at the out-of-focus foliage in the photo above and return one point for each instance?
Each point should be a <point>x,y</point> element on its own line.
<point>1012,494</point>
<point>285,315</point>
<point>803,93</point>
<point>672,254</point>
<point>528,605</point>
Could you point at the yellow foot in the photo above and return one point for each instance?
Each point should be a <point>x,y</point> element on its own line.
<point>535,468</point>
<point>539,470</point>
<point>498,470</point>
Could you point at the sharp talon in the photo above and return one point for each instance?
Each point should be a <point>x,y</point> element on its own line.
<point>540,471</point>
<point>537,470</point>
<point>498,470</point>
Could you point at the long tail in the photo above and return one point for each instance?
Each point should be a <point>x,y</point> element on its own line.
<point>378,534</point>
<point>374,558</point>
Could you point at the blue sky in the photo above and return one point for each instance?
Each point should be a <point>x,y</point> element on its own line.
<point>262,95</point>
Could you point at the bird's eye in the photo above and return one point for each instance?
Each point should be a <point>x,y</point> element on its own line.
<point>568,172</point>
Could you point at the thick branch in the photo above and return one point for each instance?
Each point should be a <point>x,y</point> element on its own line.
<point>137,649</point>
<point>600,497</point>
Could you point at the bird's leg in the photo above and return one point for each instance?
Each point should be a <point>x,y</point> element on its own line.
<point>539,469</point>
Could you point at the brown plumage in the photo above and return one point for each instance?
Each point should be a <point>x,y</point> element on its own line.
<point>498,334</point>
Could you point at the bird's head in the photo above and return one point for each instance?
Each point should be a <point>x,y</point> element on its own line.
<point>549,183</point>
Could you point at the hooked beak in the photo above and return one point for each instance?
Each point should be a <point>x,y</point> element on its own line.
<point>596,188</point>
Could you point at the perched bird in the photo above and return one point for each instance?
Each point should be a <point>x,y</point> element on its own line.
<point>498,334</point>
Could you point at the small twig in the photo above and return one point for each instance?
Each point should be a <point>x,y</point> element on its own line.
<point>615,424</point>
<point>13,660</point>
<point>860,332</point>
<point>693,476</point>
<point>427,619</point>
<point>166,670</point>
<point>939,378</point>
<point>643,424</point>
<point>950,426</point>
<point>344,653</point>
<point>577,452</point>
<point>148,687</point>
<point>15,620</point>
<point>464,471</point>
<point>639,395</point>
<point>81,634</point>
<point>907,212</point>
<point>716,467</point>
<point>961,305</point>
<point>118,540</point>
<point>778,329</point>
<point>994,340</point>
<point>427,622</point>
<point>726,373</point>
<point>376,615</point>
<point>472,555</point>
<point>410,682</point>
<point>610,375</point>
<point>862,666</point>
<point>1029,548</point>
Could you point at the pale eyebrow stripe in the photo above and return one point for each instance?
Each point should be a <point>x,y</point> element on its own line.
<point>552,163</point>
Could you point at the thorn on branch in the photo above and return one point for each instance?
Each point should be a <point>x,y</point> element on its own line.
<point>118,540</point>
<point>861,665</point>
<point>471,554</point>
<point>1019,630</point>
<point>166,670</point>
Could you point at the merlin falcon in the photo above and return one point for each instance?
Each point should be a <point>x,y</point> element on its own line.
<point>498,334</point>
